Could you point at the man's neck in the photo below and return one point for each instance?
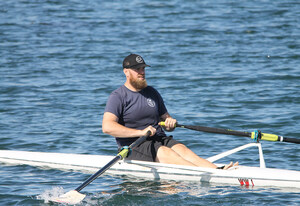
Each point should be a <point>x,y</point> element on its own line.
<point>130,87</point>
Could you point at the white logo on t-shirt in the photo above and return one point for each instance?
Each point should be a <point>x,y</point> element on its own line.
<point>150,102</point>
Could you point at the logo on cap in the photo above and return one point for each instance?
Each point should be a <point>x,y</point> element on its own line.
<point>139,59</point>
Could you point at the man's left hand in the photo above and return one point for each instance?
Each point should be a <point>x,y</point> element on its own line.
<point>170,123</point>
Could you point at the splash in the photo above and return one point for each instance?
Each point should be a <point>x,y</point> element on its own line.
<point>49,195</point>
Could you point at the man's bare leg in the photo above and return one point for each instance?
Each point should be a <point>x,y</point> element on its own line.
<point>181,155</point>
<point>190,156</point>
<point>169,156</point>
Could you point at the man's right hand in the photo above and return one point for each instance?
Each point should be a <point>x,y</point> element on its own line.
<point>149,128</point>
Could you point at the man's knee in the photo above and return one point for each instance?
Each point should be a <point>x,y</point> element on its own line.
<point>164,153</point>
<point>164,150</point>
<point>177,147</point>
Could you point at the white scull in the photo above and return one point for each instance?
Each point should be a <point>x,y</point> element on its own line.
<point>239,175</point>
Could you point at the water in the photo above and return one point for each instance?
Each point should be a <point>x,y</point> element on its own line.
<point>228,64</point>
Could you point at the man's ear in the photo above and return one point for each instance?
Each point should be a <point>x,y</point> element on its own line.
<point>126,72</point>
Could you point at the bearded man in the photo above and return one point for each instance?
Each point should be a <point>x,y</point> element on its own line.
<point>135,108</point>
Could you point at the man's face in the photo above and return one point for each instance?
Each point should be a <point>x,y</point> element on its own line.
<point>137,78</point>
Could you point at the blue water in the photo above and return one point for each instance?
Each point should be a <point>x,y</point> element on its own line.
<point>228,64</point>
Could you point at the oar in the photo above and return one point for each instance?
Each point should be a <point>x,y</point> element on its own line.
<point>253,135</point>
<point>74,196</point>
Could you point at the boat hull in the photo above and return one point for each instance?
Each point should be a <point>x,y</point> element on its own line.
<point>240,175</point>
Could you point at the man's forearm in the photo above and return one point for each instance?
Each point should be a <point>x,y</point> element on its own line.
<point>117,130</point>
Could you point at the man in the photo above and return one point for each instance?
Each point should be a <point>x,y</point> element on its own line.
<point>135,108</point>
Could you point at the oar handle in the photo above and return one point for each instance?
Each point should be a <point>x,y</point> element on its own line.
<point>164,124</point>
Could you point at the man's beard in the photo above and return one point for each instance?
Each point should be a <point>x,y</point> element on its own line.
<point>138,84</point>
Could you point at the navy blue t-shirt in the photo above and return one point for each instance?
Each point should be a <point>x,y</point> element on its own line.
<point>136,110</point>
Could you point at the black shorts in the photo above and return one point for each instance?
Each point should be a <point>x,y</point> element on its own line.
<point>147,150</point>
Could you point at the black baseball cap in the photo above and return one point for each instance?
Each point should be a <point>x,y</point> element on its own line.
<point>134,61</point>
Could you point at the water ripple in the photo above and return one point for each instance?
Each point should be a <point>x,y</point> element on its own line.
<point>228,64</point>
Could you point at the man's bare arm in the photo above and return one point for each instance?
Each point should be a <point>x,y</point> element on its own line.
<point>111,126</point>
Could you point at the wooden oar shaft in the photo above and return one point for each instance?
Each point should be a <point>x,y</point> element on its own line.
<point>119,156</point>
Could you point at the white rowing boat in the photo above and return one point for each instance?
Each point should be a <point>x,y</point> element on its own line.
<point>239,175</point>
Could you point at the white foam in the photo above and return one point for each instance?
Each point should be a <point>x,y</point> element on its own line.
<point>48,195</point>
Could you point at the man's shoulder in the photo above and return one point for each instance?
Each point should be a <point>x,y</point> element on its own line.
<point>150,89</point>
<point>119,90</point>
